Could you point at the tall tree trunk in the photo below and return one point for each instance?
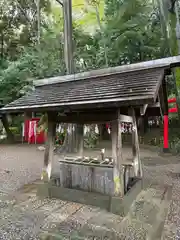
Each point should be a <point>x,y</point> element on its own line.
<point>172,18</point>
<point>100,26</point>
<point>70,67</point>
<point>10,136</point>
<point>2,46</point>
<point>169,21</point>
<point>38,21</point>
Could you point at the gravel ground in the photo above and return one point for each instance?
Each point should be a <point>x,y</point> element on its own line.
<point>24,219</point>
<point>19,165</point>
<point>168,173</point>
<point>22,164</point>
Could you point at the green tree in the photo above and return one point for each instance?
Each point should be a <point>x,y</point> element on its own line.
<point>130,33</point>
<point>43,60</point>
<point>40,61</point>
<point>18,25</point>
<point>169,19</point>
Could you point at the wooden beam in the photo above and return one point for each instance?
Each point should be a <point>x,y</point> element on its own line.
<point>77,105</point>
<point>86,118</point>
<point>125,118</point>
<point>163,98</point>
<point>135,147</point>
<point>158,85</point>
<point>92,117</point>
<point>49,149</point>
<point>143,109</point>
<point>117,157</point>
<point>80,139</point>
<point>86,164</point>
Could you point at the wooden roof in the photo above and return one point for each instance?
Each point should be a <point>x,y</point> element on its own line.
<point>129,85</point>
<point>135,88</point>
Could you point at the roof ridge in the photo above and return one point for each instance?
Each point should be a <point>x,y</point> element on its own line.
<point>153,64</point>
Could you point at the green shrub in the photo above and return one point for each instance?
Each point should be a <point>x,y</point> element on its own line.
<point>90,139</point>
<point>15,130</point>
<point>60,138</point>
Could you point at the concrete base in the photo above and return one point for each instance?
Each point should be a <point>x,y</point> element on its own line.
<point>115,205</point>
<point>131,195</point>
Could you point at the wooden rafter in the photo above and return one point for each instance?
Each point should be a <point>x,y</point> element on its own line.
<point>92,118</point>
<point>163,97</point>
<point>143,109</point>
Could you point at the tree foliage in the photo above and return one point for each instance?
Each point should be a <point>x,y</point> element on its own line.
<point>44,60</point>
<point>18,25</point>
<point>130,32</point>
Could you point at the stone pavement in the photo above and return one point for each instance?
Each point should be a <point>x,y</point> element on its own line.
<point>168,173</point>
<point>24,216</point>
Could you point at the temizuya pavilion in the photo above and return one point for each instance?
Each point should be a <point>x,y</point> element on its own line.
<point>114,95</point>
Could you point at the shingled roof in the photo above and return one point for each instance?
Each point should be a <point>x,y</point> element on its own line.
<point>134,84</point>
<point>123,87</point>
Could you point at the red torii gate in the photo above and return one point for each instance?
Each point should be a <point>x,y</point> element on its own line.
<point>166,123</point>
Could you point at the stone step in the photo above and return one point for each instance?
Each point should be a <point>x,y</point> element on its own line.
<point>147,213</point>
<point>85,222</point>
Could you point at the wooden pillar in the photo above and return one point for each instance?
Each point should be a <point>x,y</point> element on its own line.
<point>135,147</point>
<point>49,148</point>
<point>80,139</point>
<point>166,132</point>
<point>142,124</point>
<point>117,156</point>
<point>164,108</point>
